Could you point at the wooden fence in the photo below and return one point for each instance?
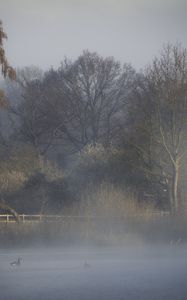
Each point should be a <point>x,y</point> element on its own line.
<point>7,218</point>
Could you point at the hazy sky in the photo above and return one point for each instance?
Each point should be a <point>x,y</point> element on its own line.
<point>42,32</point>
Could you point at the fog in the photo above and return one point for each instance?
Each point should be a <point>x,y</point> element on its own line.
<point>143,272</point>
<point>94,259</point>
<point>92,206</point>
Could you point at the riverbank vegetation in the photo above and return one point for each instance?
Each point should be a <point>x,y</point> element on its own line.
<point>95,136</point>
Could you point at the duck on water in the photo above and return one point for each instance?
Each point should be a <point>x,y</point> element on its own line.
<point>17,262</point>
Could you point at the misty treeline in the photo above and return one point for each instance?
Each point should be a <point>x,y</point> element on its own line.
<point>95,134</point>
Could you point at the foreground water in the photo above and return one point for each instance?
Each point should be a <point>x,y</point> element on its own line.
<point>138,273</point>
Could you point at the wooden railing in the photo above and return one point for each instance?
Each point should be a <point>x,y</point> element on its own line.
<point>7,218</point>
<point>37,218</point>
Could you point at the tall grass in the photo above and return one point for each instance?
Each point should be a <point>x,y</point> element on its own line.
<point>108,200</point>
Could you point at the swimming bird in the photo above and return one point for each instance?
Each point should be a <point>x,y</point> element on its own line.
<point>17,262</point>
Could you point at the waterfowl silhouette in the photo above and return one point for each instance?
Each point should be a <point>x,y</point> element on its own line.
<point>17,262</point>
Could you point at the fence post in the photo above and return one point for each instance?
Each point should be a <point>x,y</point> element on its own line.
<point>7,218</point>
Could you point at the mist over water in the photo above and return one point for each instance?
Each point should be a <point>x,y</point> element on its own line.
<point>93,151</point>
<point>94,259</point>
<point>130,272</point>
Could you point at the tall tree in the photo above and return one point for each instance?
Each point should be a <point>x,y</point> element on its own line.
<point>168,80</point>
<point>78,104</point>
<point>159,133</point>
<point>6,71</point>
<point>31,124</point>
<point>90,93</point>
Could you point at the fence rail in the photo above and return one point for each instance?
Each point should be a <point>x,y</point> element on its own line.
<point>7,218</point>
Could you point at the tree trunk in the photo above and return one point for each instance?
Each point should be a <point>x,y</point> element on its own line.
<point>6,207</point>
<point>175,181</point>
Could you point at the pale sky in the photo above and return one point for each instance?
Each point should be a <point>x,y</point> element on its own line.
<point>42,32</point>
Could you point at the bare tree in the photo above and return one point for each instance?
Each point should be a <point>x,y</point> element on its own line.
<point>90,93</point>
<point>159,135</point>
<point>31,123</point>
<point>168,78</point>
<point>141,144</point>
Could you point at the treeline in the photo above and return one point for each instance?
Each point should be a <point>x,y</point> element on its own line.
<point>96,134</point>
